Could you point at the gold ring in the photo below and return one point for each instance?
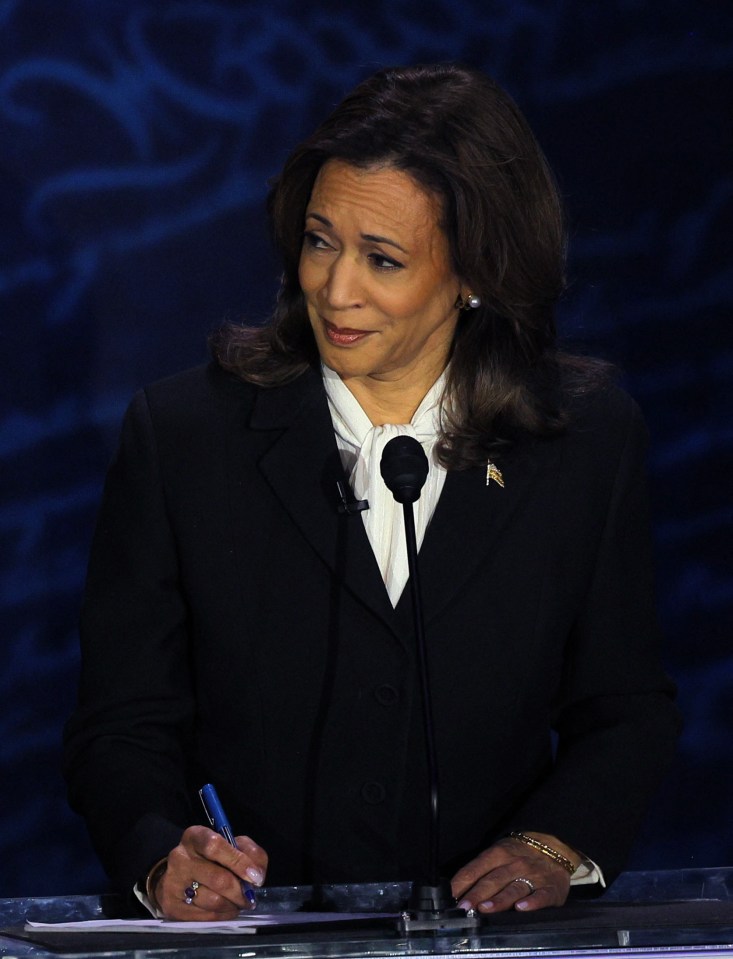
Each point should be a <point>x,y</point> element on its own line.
<point>532,887</point>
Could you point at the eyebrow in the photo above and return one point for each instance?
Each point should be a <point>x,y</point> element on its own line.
<point>372,237</point>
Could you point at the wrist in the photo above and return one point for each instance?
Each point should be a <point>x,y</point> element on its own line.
<point>155,874</point>
<point>573,855</point>
<point>565,856</point>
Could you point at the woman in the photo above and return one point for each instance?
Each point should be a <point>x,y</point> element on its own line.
<point>246,620</point>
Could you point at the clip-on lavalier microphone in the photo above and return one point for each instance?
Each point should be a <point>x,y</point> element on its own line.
<point>348,505</point>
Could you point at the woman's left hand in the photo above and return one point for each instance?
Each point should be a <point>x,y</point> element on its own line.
<point>491,881</point>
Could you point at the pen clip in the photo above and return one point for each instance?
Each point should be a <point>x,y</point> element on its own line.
<point>215,813</point>
<point>206,807</point>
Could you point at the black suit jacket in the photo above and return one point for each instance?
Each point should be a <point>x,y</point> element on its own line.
<point>236,630</point>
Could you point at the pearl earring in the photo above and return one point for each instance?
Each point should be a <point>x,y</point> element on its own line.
<point>471,302</point>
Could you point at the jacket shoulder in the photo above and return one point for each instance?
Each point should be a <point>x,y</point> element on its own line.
<point>202,388</point>
<point>605,413</point>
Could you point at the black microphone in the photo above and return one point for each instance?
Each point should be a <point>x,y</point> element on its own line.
<point>404,469</point>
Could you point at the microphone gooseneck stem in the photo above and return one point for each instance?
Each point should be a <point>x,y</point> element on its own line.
<point>422,657</point>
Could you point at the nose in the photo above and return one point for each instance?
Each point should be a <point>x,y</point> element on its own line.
<point>343,288</point>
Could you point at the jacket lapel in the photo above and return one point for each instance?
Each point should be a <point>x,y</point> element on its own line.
<point>303,466</point>
<point>467,526</point>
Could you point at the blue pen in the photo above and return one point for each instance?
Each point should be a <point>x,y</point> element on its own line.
<point>219,823</point>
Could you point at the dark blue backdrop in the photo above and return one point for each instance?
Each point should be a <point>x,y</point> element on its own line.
<point>136,143</point>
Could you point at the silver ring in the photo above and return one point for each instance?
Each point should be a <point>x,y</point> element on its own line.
<point>190,892</point>
<point>532,887</point>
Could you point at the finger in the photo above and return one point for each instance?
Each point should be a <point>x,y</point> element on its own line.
<point>547,891</point>
<point>257,870</point>
<point>472,872</point>
<point>181,911</point>
<point>511,894</point>
<point>540,899</point>
<point>499,889</point>
<point>256,853</point>
<point>210,846</point>
<point>185,871</point>
<point>491,882</point>
<point>518,895</point>
<point>195,902</point>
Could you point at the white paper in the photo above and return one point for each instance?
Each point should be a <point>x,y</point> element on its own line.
<point>141,925</point>
<point>234,926</point>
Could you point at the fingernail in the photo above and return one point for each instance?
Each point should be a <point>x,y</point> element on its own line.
<point>465,904</point>
<point>255,875</point>
<point>486,905</point>
<point>521,905</point>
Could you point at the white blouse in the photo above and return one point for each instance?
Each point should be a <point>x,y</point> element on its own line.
<point>361,445</point>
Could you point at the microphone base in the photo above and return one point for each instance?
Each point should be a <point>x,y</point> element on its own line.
<point>432,907</point>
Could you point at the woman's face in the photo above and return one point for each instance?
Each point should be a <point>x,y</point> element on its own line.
<point>377,277</point>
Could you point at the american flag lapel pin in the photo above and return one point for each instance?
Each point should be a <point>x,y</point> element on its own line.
<point>494,473</point>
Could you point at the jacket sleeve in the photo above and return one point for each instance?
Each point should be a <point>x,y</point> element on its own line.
<point>125,745</point>
<point>615,720</point>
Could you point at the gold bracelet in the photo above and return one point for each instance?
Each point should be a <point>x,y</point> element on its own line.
<point>152,879</point>
<point>546,850</point>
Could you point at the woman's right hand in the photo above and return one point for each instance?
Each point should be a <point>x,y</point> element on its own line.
<point>206,858</point>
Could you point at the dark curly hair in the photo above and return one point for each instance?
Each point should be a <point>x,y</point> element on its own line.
<point>464,140</point>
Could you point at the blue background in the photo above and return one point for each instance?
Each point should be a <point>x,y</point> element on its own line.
<point>136,142</point>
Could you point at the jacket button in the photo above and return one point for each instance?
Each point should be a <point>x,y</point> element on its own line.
<point>373,793</point>
<point>386,695</point>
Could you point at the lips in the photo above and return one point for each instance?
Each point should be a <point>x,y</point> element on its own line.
<point>343,335</point>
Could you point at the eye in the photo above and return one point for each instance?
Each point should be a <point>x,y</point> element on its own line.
<point>385,263</point>
<point>315,242</point>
